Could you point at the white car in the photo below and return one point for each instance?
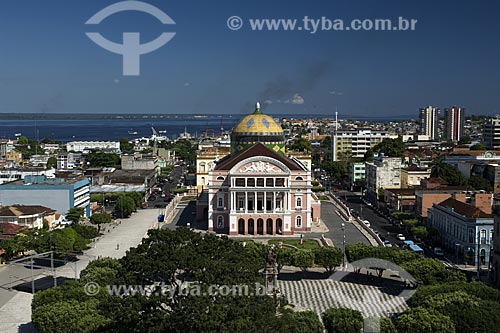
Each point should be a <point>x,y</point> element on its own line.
<point>367,223</point>
<point>401,237</point>
<point>387,243</point>
<point>438,251</point>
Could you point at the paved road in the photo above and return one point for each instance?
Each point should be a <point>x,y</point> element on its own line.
<point>334,223</point>
<point>378,223</point>
<point>168,187</point>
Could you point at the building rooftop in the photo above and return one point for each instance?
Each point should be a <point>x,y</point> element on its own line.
<point>256,150</point>
<point>464,209</point>
<point>43,181</point>
<point>21,210</point>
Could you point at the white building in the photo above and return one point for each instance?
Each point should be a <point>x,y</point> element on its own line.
<point>382,173</point>
<point>87,146</point>
<point>356,143</point>
<point>9,175</point>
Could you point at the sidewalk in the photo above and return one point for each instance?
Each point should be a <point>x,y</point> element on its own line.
<point>16,313</point>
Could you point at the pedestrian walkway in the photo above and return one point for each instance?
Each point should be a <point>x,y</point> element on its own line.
<point>15,314</point>
<point>320,295</point>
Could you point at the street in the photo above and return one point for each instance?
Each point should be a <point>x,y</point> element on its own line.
<point>386,230</point>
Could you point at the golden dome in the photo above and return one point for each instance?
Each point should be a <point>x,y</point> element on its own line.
<point>258,123</point>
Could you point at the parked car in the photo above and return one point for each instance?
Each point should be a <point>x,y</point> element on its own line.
<point>387,243</point>
<point>401,237</point>
<point>438,251</point>
<point>367,223</point>
<point>144,205</point>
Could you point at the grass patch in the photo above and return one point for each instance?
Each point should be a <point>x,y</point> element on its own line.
<point>309,244</point>
<point>323,197</point>
<point>188,198</point>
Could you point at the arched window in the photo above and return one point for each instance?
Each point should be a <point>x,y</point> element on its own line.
<point>203,180</point>
<point>220,178</point>
<point>203,167</point>
<point>220,222</point>
<point>298,221</point>
<point>483,236</point>
<point>299,178</point>
<point>299,202</point>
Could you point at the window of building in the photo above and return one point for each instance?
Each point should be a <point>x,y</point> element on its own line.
<point>203,180</point>
<point>220,222</point>
<point>299,178</point>
<point>298,221</point>
<point>483,236</point>
<point>220,178</point>
<point>251,182</point>
<point>280,182</point>
<point>299,203</point>
<point>220,202</point>
<point>203,166</point>
<point>269,182</point>
<point>240,182</point>
<point>241,203</point>
<point>471,235</point>
<point>260,182</point>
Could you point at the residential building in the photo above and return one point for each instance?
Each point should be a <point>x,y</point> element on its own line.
<point>356,143</point>
<point>29,216</point>
<point>382,173</point>
<point>464,229</point>
<point>435,190</point>
<point>11,174</point>
<point>491,134</point>
<point>473,162</point>
<point>14,156</point>
<point>412,175</point>
<point>454,122</point>
<point>495,264</point>
<point>57,193</point>
<point>88,146</point>
<point>140,162</point>
<point>429,120</point>
<point>69,161</point>
<point>257,189</point>
<point>205,161</point>
<point>356,172</point>
<point>400,199</point>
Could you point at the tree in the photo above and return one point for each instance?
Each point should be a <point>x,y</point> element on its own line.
<point>426,270</point>
<point>448,172</point>
<point>23,140</point>
<point>480,183</point>
<point>124,207</point>
<point>478,146</point>
<point>75,214</point>
<point>51,162</point>
<point>304,322</point>
<point>303,258</point>
<point>100,218</point>
<point>302,144</point>
<point>342,320</point>
<point>390,147</point>
<point>420,320</point>
<point>328,257</point>
<point>284,257</point>
<point>101,271</point>
<point>101,159</point>
<point>419,231</point>
<point>126,147</point>
<point>466,139</point>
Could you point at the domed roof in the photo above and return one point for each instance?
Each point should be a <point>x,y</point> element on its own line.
<point>258,123</point>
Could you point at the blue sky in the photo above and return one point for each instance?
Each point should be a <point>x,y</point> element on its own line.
<point>47,63</point>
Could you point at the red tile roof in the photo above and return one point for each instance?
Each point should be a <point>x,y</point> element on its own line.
<point>464,209</point>
<point>10,228</point>
<point>258,149</point>
<point>20,210</point>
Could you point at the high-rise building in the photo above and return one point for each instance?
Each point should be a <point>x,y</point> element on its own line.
<point>356,143</point>
<point>429,120</point>
<point>454,122</point>
<point>491,134</point>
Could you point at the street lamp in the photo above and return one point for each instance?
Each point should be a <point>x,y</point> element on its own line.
<point>343,244</point>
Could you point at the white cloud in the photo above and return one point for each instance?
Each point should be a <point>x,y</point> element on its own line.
<point>297,99</point>
<point>268,101</point>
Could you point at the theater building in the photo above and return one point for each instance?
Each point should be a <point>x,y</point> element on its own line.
<point>257,189</point>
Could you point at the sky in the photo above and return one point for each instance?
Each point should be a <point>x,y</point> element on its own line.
<point>49,65</point>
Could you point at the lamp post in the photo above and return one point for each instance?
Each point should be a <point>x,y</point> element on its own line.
<point>343,245</point>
